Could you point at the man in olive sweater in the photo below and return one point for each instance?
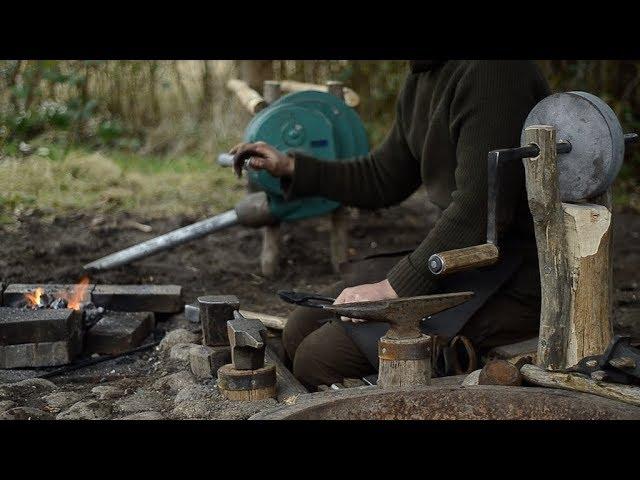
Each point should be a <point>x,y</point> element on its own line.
<point>449,115</point>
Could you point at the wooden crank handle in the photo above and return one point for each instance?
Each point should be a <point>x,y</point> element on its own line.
<point>249,98</point>
<point>445,263</point>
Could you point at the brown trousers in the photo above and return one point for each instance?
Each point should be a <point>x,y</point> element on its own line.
<point>323,354</point>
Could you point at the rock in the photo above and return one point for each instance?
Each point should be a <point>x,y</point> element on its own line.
<point>179,335</point>
<point>174,382</point>
<point>500,372</point>
<point>140,401</point>
<point>205,361</point>
<point>60,400</point>
<point>144,416</point>
<point>196,402</point>
<point>195,410</point>
<point>107,392</point>
<point>6,405</point>
<point>85,410</point>
<point>195,392</point>
<point>471,379</point>
<point>180,351</point>
<point>25,413</point>
<point>27,388</point>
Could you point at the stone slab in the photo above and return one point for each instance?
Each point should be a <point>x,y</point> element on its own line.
<point>192,312</point>
<point>23,325</point>
<point>139,298</point>
<point>46,354</point>
<point>117,332</point>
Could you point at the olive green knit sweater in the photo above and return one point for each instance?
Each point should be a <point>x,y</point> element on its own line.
<point>449,115</point>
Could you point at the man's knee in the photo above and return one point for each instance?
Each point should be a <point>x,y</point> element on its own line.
<point>295,331</point>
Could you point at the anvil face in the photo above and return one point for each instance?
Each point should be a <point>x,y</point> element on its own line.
<point>404,314</point>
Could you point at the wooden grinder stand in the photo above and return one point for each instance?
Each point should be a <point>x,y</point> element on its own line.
<point>574,252</point>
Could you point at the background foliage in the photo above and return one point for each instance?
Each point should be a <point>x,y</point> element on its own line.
<point>157,114</point>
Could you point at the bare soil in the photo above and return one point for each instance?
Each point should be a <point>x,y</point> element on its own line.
<point>223,263</point>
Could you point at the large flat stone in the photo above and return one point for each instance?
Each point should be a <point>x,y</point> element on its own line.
<point>139,298</point>
<point>117,332</point>
<point>23,325</point>
<point>44,354</point>
<point>14,293</point>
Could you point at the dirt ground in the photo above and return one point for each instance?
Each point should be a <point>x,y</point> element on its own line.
<point>223,263</point>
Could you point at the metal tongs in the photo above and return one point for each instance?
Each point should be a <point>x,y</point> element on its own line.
<point>303,299</point>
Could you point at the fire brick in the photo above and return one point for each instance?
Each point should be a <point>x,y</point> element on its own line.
<point>45,354</point>
<point>13,295</point>
<point>118,332</point>
<point>26,326</point>
<point>139,298</point>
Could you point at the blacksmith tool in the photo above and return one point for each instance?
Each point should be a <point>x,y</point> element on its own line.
<point>317,123</point>
<point>246,337</point>
<point>590,156</point>
<point>247,377</point>
<point>620,363</point>
<point>404,352</point>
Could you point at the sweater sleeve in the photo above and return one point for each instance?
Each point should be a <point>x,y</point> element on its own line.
<point>386,176</point>
<point>488,109</point>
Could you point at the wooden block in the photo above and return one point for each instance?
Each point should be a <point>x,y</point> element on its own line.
<point>14,294</point>
<point>247,385</point>
<point>117,332</point>
<point>139,298</point>
<point>192,313</point>
<point>45,354</point>
<point>26,326</point>
<point>515,352</point>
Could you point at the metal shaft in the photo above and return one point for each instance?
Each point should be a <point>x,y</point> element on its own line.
<point>165,242</point>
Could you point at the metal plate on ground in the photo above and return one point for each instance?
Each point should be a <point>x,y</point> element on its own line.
<point>596,138</point>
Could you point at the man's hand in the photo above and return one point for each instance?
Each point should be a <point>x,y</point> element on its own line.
<point>365,293</point>
<point>262,156</point>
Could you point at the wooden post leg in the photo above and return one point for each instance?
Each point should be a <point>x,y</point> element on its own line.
<point>548,220</point>
<point>574,252</point>
<point>270,255</point>
<point>339,237</point>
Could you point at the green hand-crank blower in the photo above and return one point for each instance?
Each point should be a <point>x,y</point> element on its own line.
<point>314,122</point>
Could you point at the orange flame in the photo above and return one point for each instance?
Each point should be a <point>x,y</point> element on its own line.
<point>34,297</point>
<point>78,295</point>
<point>74,299</point>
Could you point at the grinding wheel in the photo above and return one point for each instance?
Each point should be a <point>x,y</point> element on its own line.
<point>596,137</point>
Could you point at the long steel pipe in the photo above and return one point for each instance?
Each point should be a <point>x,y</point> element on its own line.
<point>166,241</point>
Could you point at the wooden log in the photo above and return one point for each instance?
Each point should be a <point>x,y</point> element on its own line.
<point>588,228</point>
<point>548,219</point>
<point>270,253</point>
<point>288,387</point>
<point>351,98</point>
<point>247,385</point>
<point>269,321</point>
<point>248,97</point>
<point>404,362</point>
<point>568,381</point>
<point>271,91</point>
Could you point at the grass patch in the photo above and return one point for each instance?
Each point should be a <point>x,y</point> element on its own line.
<point>109,182</point>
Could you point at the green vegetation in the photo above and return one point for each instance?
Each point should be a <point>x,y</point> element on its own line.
<point>142,136</point>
